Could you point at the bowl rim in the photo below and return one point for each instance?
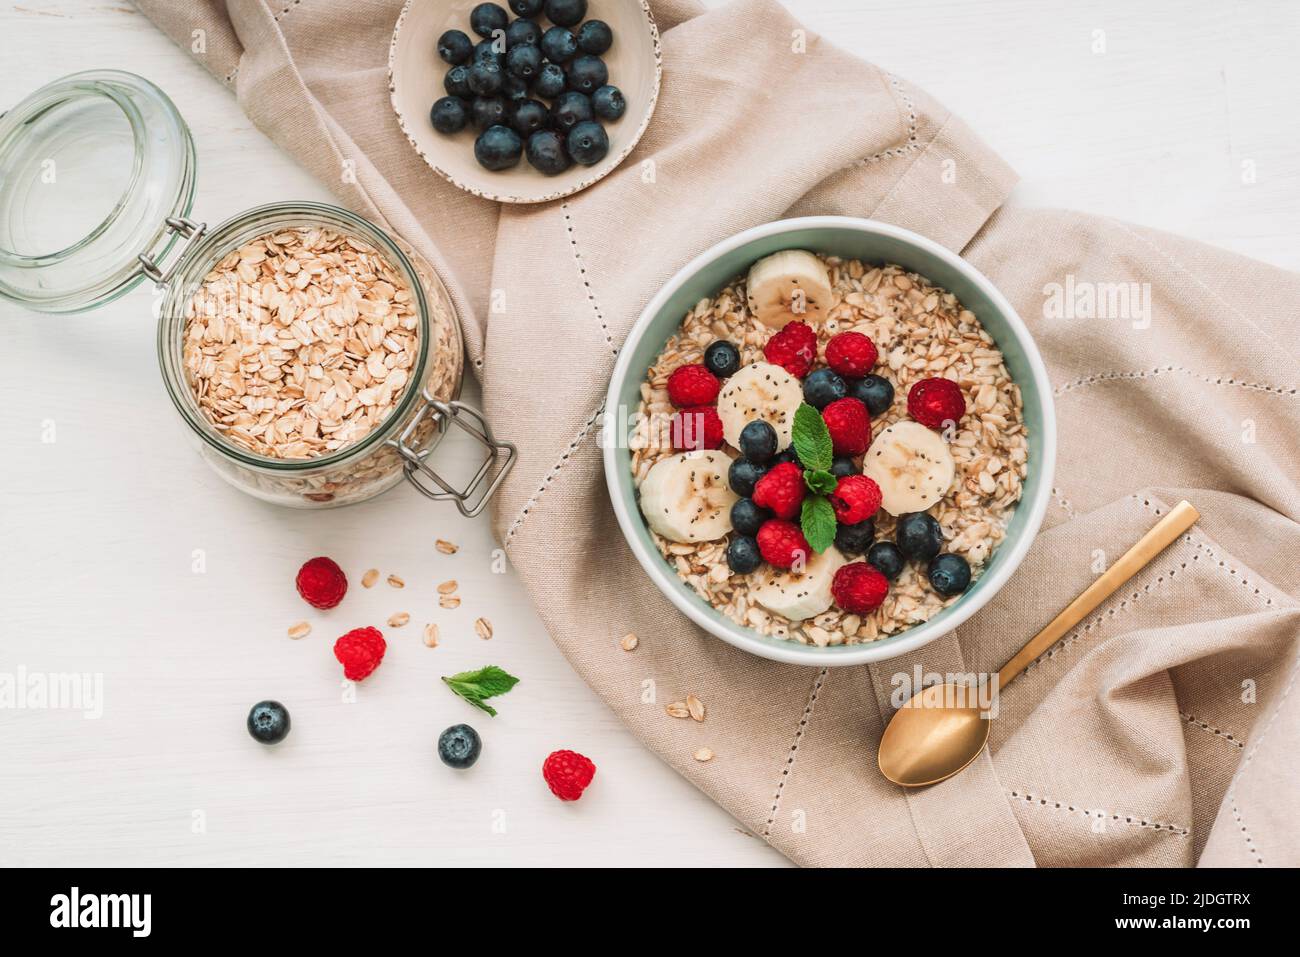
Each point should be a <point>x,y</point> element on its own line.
<point>599,172</point>
<point>917,636</point>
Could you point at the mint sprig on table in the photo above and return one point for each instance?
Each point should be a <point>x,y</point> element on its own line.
<point>812,444</point>
<point>477,686</point>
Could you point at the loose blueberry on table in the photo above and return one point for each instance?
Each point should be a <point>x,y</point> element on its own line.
<point>546,88</point>
<point>268,722</point>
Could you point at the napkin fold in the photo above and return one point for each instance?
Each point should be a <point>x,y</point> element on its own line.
<point>1159,732</point>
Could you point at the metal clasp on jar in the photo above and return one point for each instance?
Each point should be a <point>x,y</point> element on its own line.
<point>471,499</point>
<point>188,230</point>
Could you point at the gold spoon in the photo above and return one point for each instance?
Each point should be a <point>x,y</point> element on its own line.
<point>943,728</point>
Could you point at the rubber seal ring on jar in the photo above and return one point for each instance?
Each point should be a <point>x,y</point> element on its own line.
<point>501,456</point>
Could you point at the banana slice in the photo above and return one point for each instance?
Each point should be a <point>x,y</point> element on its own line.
<point>789,285</point>
<point>759,391</point>
<point>800,595</point>
<point>685,498</point>
<point>912,466</point>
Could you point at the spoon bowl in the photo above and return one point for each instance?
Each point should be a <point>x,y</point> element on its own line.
<point>932,736</point>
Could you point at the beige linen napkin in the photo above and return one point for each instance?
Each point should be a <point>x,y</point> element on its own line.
<point>1159,732</point>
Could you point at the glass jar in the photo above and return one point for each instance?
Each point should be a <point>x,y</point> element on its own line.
<point>97,175</point>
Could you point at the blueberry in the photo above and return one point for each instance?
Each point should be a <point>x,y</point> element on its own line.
<point>570,109</point>
<point>758,441</point>
<point>449,114</point>
<point>743,555</point>
<point>886,559</point>
<point>268,721</point>
<point>513,88</point>
<point>489,51</point>
<point>524,61</point>
<point>487,111</point>
<point>485,78</point>
<point>822,387</point>
<point>742,475</point>
<point>919,536</point>
<point>588,143</point>
<point>608,102</point>
<point>487,17</point>
<point>459,746</point>
<point>842,465</point>
<point>722,359</point>
<point>566,12</point>
<point>527,117</point>
<point>787,455</point>
<point>498,147</point>
<point>546,152</point>
<point>747,518</point>
<point>549,82</point>
<point>455,47</point>
<point>526,8</point>
<point>559,45</point>
<point>456,82</point>
<point>523,33</point>
<point>595,37</point>
<point>587,74</point>
<point>855,539</point>
<point>949,574</point>
<point>875,392</point>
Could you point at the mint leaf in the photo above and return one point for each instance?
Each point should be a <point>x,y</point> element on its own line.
<point>477,686</point>
<point>818,522</point>
<point>812,440</point>
<point>820,482</point>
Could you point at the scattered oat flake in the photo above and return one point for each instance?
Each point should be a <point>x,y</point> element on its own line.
<point>300,630</point>
<point>396,582</point>
<point>431,635</point>
<point>695,707</point>
<point>398,620</point>
<point>704,754</point>
<point>678,709</point>
<point>449,601</point>
<point>484,628</point>
<point>446,547</point>
<point>370,577</point>
<point>629,641</point>
<point>446,588</point>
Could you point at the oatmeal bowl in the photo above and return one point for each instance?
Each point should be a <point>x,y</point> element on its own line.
<point>835,440</point>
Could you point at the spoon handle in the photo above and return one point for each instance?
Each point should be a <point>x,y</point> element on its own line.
<point>1162,534</point>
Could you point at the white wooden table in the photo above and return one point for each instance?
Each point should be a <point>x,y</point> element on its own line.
<point>122,555</point>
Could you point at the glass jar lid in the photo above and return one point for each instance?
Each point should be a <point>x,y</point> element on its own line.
<point>92,167</point>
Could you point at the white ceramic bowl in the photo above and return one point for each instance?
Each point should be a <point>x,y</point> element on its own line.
<point>872,242</point>
<point>415,75</point>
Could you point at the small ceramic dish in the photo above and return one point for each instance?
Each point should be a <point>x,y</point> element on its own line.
<point>415,78</point>
<point>875,243</point>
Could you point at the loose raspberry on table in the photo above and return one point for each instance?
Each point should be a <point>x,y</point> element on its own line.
<point>936,402</point>
<point>849,425</point>
<point>855,499</point>
<point>567,774</point>
<point>859,588</point>
<point>360,651</point>
<point>851,354</point>
<point>781,543</point>
<point>697,428</point>
<point>781,490</point>
<point>321,583</point>
<point>794,349</point>
<point>693,385</point>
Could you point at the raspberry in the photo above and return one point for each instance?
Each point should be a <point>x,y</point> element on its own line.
<point>567,774</point>
<point>859,588</point>
<point>850,426</point>
<point>793,348</point>
<point>855,499</point>
<point>360,652</point>
<point>782,543</point>
<point>933,402</point>
<point>780,490</point>
<point>697,428</point>
<point>321,583</point>
<point>692,385</point>
<point>851,354</point>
